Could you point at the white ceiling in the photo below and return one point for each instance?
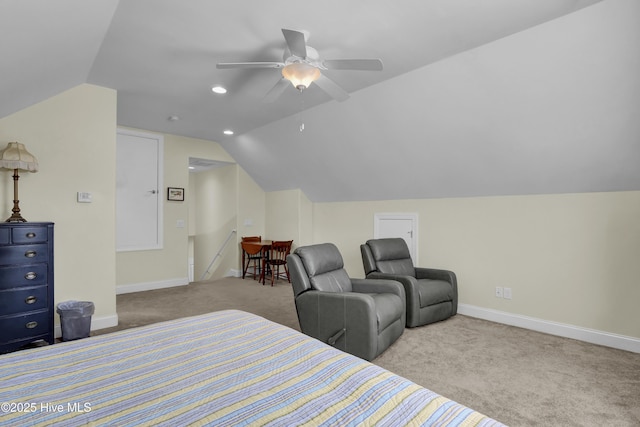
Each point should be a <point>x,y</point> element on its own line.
<point>467,103</point>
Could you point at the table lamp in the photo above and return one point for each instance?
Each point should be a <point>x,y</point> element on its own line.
<point>16,157</point>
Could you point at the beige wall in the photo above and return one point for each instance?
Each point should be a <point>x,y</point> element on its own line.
<point>216,218</point>
<point>306,221</point>
<point>289,217</point>
<point>73,136</point>
<point>226,199</point>
<point>251,206</point>
<point>169,266</point>
<point>569,258</point>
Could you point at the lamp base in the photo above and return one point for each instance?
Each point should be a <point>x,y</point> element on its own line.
<point>14,218</point>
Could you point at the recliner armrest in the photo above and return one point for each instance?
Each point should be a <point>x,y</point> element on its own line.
<point>437,274</point>
<point>323,314</point>
<point>405,280</point>
<point>380,286</point>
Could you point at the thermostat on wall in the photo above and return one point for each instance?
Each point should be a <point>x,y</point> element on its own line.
<point>84,197</point>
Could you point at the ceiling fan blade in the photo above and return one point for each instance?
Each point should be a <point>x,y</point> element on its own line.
<point>296,42</point>
<point>331,88</point>
<point>353,64</point>
<point>275,92</point>
<point>223,65</point>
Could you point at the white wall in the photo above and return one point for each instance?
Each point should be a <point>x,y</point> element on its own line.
<point>552,109</point>
<point>73,136</point>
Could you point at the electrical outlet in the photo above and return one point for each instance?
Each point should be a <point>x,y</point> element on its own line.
<point>499,292</point>
<point>507,293</point>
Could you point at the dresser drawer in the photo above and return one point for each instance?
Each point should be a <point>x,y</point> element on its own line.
<point>15,276</point>
<point>26,284</point>
<point>23,299</point>
<point>29,235</point>
<point>20,254</point>
<point>23,325</point>
<point>4,236</point>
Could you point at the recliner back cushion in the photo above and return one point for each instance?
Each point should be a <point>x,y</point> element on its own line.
<point>392,256</point>
<point>324,266</point>
<point>400,267</point>
<point>333,281</point>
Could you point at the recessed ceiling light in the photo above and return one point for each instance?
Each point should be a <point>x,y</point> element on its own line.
<point>191,167</point>
<point>228,132</point>
<point>219,89</point>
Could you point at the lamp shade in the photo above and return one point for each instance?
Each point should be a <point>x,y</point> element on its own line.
<point>16,156</point>
<point>300,74</point>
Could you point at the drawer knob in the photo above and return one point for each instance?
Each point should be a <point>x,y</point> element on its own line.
<point>30,275</point>
<point>31,325</point>
<point>30,299</point>
<point>30,254</point>
<point>31,235</point>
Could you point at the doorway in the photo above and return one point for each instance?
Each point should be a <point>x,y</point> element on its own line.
<point>139,159</point>
<point>403,225</point>
<point>201,213</point>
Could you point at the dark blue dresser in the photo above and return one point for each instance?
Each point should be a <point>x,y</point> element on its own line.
<point>26,284</point>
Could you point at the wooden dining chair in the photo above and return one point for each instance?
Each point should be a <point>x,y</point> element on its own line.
<point>278,258</point>
<point>251,254</point>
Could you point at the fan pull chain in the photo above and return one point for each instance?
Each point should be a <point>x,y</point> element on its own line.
<point>301,128</point>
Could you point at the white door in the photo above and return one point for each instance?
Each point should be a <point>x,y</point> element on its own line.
<point>138,195</point>
<point>398,225</point>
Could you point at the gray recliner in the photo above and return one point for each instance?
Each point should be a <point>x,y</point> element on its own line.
<point>359,316</point>
<point>432,294</point>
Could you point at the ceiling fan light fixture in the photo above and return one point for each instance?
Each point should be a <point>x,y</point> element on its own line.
<point>300,74</point>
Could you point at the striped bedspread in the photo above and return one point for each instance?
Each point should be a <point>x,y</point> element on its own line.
<point>225,368</point>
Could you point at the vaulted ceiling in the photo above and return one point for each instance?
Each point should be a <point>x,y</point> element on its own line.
<point>476,97</point>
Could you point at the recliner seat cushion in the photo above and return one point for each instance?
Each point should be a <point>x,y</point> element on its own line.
<point>388,309</point>
<point>434,292</point>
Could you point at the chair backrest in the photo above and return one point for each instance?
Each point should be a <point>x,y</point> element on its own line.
<point>249,248</point>
<point>389,256</point>
<point>319,267</point>
<point>279,251</point>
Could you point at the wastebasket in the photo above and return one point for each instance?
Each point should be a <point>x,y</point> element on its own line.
<point>75,319</point>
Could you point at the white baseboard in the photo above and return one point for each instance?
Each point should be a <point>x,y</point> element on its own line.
<point>148,286</point>
<point>232,272</point>
<point>97,322</point>
<point>593,336</point>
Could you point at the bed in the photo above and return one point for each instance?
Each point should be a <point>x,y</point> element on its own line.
<point>223,368</point>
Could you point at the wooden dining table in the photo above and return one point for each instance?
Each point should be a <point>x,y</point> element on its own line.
<point>252,248</point>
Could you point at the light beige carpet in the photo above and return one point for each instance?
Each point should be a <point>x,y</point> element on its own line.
<point>519,377</point>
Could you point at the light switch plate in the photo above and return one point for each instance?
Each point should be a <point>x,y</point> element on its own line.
<point>84,197</point>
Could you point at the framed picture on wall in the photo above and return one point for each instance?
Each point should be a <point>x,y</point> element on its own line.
<point>175,193</point>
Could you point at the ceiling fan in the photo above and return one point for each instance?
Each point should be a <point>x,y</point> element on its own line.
<point>302,66</point>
